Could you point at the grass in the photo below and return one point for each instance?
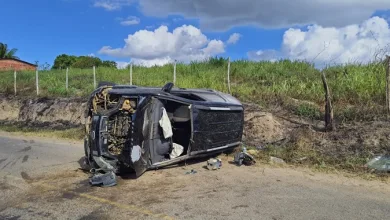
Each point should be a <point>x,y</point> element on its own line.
<point>358,91</point>
<point>295,155</point>
<point>70,134</point>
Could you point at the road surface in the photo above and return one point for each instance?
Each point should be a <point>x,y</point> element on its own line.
<point>40,179</point>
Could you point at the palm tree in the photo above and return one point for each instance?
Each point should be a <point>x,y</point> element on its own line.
<point>6,53</point>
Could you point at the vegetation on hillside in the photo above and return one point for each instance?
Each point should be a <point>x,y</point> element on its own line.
<point>358,91</point>
<point>63,61</point>
<point>5,52</point>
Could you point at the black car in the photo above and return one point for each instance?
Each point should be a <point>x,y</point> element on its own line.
<point>146,127</point>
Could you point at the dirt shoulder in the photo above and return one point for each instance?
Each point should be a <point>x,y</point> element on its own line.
<point>247,192</point>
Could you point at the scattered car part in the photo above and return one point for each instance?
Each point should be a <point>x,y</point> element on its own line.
<point>380,163</point>
<point>103,179</point>
<point>243,157</point>
<point>191,172</point>
<point>214,164</point>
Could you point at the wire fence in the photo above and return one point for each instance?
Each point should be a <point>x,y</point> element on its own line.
<point>353,88</point>
<point>80,82</point>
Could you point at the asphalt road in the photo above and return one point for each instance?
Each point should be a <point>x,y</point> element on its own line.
<point>40,179</point>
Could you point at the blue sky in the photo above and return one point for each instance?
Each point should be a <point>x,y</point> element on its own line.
<point>43,29</point>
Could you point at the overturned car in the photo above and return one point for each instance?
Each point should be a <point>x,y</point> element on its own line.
<point>145,128</point>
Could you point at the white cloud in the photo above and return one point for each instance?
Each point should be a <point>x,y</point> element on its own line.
<point>184,44</point>
<point>234,38</point>
<point>121,64</point>
<point>111,5</point>
<point>131,20</point>
<point>271,55</point>
<point>213,48</point>
<point>91,55</point>
<point>352,43</point>
<point>152,62</point>
<point>224,14</point>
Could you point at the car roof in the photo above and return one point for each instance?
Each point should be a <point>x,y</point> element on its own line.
<point>208,95</point>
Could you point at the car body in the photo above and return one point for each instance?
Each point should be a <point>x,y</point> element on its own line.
<point>147,127</point>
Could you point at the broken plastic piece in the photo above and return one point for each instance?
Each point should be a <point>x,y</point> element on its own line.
<point>380,163</point>
<point>214,164</point>
<point>191,172</point>
<point>103,179</point>
<point>176,151</point>
<point>165,124</point>
<point>244,158</point>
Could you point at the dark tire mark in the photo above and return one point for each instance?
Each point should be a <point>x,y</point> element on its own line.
<point>2,160</point>
<point>26,177</point>
<point>6,164</point>
<point>15,161</point>
<point>68,195</point>
<point>95,214</point>
<point>25,158</point>
<point>25,149</point>
<point>5,217</point>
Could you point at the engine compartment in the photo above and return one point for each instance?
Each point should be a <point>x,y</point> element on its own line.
<point>120,112</point>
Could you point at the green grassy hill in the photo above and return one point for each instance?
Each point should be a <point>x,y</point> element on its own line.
<point>358,91</point>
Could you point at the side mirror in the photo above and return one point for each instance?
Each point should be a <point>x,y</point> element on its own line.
<point>167,87</point>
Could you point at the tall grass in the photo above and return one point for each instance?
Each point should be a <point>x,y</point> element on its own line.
<point>355,88</point>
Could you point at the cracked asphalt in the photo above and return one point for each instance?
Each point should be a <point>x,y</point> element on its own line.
<point>41,179</point>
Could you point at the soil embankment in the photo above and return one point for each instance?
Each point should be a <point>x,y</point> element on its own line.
<point>58,113</point>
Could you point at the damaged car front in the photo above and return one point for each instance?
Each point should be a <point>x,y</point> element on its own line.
<point>141,128</point>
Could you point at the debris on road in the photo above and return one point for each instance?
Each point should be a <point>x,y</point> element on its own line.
<point>277,160</point>
<point>214,164</point>
<point>191,172</point>
<point>103,179</point>
<point>380,163</point>
<point>244,157</point>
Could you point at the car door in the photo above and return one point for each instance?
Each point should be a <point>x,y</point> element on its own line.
<point>147,135</point>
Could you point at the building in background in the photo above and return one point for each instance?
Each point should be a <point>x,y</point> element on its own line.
<point>15,64</point>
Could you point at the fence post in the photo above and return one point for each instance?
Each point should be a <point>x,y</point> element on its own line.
<point>131,74</point>
<point>228,76</point>
<point>94,77</point>
<point>388,84</point>
<point>15,82</point>
<point>37,81</point>
<point>329,122</point>
<point>174,73</point>
<point>67,79</point>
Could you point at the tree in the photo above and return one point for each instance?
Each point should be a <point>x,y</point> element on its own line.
<point>110,64</point>
<point>86,62</point>
<point>6,53</point>
<point>63,61</point>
